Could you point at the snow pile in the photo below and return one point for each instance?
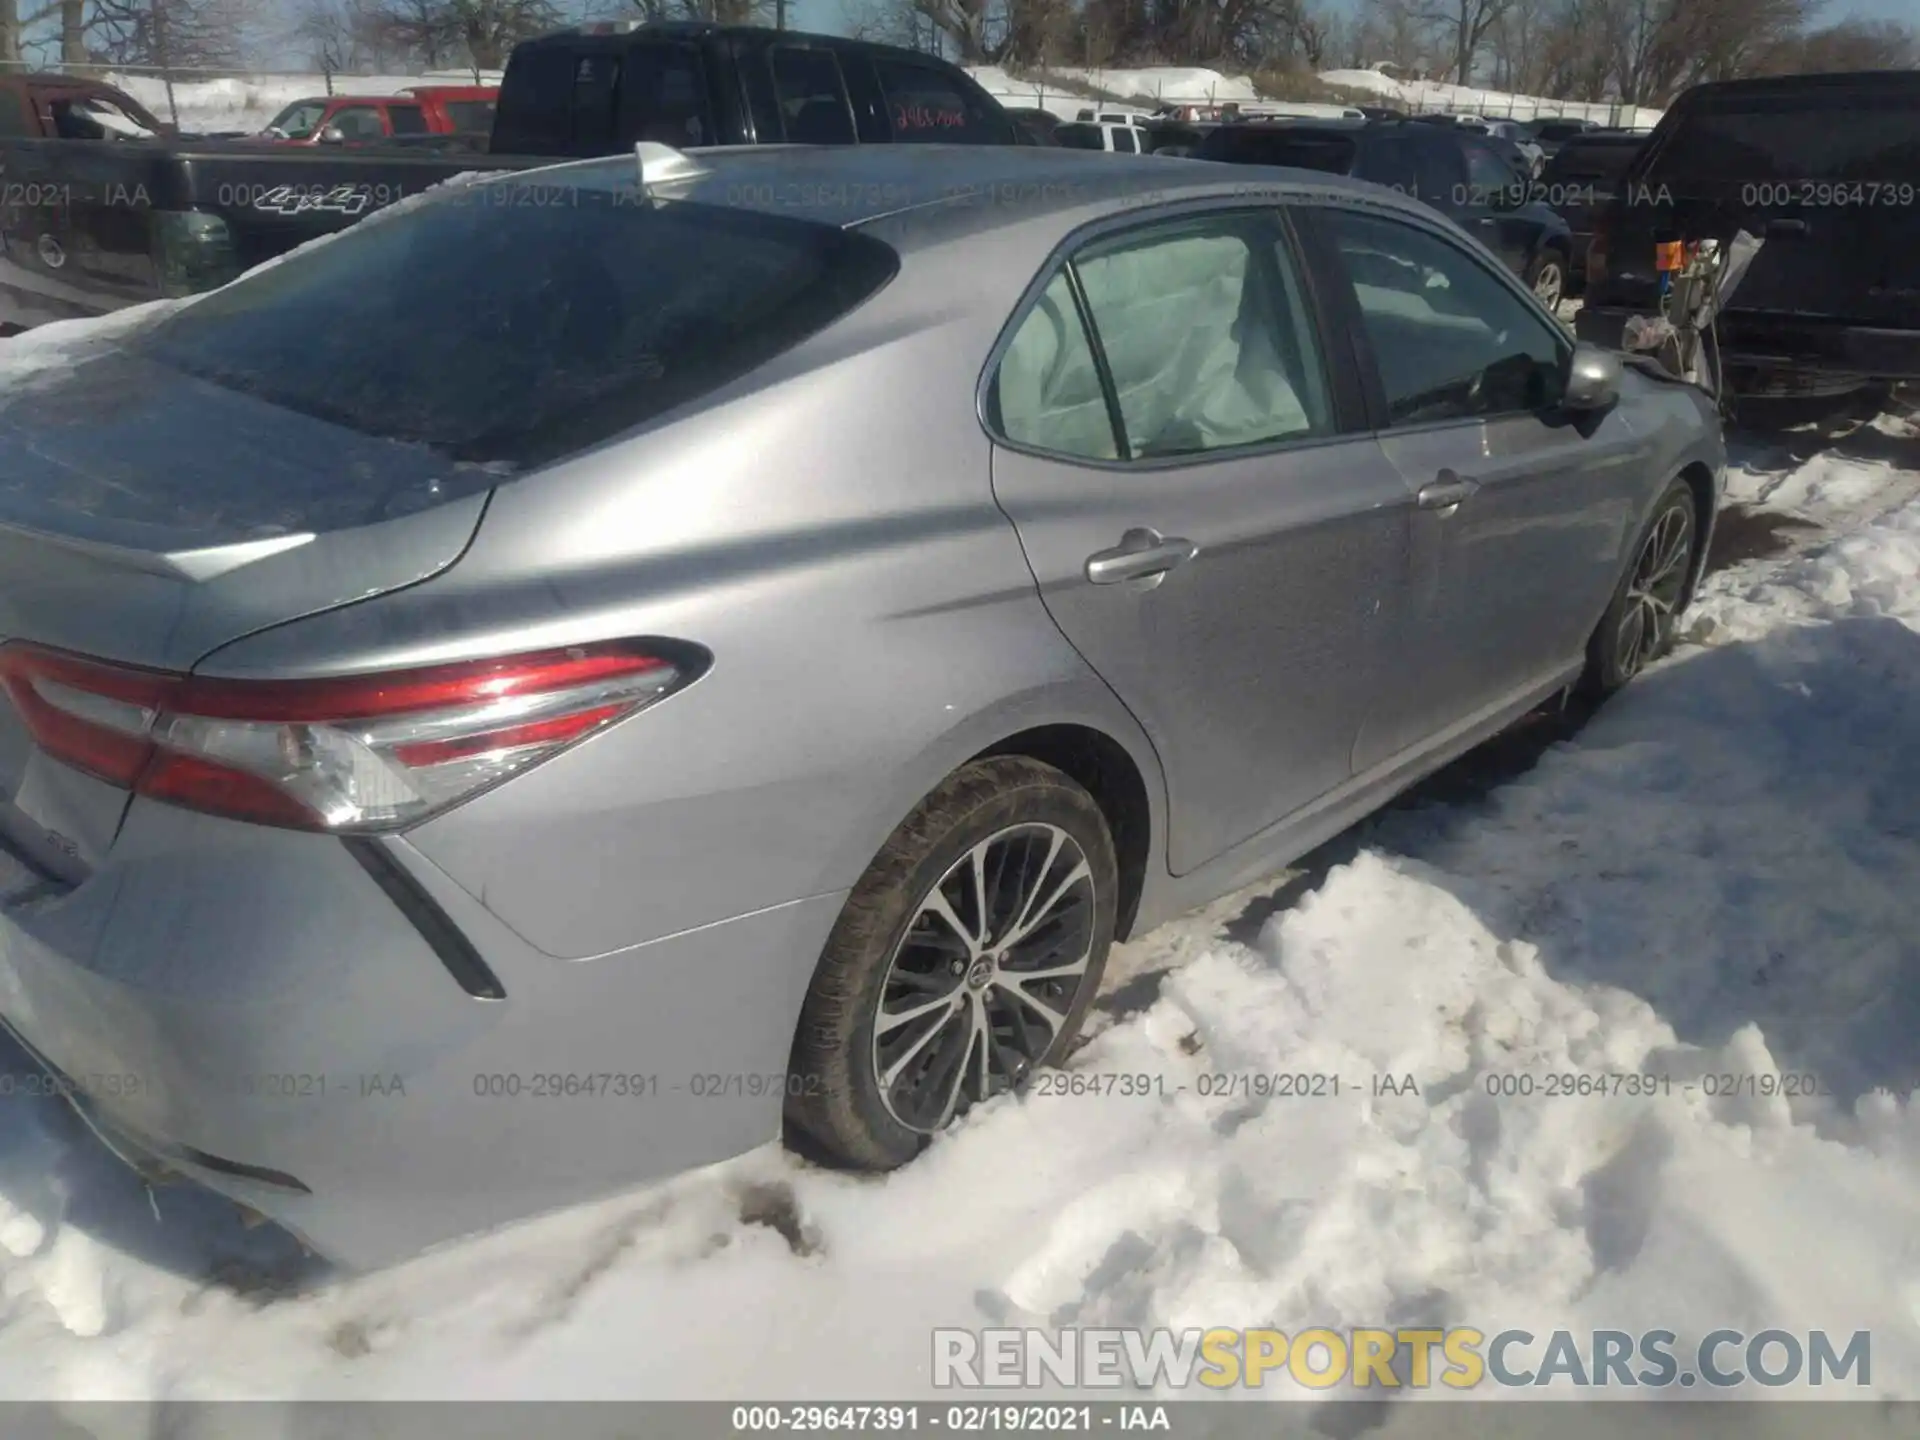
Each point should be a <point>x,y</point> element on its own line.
<point>1715,878</point>
<point>1492,104</point>
<point>1170,85</point>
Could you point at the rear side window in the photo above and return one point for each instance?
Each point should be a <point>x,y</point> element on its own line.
<point>470,117</point>
<point>1123,141</point>
<point>1079,136</point>
<point>1844,135</point>
<point>1388,160</point>
<point>551,327</point>
<point>13,113</point>
<point>812,96</point>
<point>407,119</point>
<point>928,107</point>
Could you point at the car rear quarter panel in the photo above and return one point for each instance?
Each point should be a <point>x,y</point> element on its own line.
<point>829,534</point>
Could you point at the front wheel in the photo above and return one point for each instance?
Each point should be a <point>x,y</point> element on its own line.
<point>1638,627</point>
<point>1547,277</point>
<point>965,960</point>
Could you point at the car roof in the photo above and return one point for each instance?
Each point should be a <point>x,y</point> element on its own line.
<point>961,189</point>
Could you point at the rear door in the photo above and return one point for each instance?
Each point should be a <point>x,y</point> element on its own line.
<point>1521,515</point>
<point>1187,463</point>
<point>1827,171</point>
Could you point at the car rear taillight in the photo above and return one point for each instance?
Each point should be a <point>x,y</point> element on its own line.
<point>350,754</point>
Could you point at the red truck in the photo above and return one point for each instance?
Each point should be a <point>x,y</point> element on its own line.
<point>64,107</point>
<point>364,119</point>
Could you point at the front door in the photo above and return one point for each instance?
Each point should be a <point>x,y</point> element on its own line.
<point>1521,513</point>
<point>1210,526</point>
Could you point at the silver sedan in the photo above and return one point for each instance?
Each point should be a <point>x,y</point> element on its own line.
<point>576,676</point>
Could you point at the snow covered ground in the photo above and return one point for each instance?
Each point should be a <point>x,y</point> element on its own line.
<point>1715,876</point>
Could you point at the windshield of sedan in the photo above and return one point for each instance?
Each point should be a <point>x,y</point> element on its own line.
<point>518,333</point>
<point>298,120</point>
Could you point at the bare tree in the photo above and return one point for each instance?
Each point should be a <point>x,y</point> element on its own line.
<point>1465,23</point>
<point>1393,33</point>
<point>1848,45</point>
<point>169,34</point>
<point>476,32</point>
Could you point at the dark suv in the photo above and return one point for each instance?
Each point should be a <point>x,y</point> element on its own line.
<point>1825,171</point>
<point>1455,171</point>
<point>1581,180</point>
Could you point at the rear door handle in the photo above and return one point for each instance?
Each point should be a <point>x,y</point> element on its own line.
<point>1141,553</point>
<point>1447,491</point>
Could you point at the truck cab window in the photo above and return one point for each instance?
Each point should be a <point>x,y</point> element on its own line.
<point>407,119</point>
<point>813,99</point>
<point>663,97</point>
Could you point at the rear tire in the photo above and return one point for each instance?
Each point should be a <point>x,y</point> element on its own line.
<point>1638,627</point>
<point>990,909</point>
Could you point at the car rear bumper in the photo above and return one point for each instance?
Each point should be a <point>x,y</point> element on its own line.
<point>249,1008</point>
<point>1766,355</point>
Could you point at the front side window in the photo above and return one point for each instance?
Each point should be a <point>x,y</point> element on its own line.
<point>1123,141</point>
<point>298,120</point>
<point>663,96</point>
<point>407,119</point>
<point>1208,342</point>
<point>1450,338</point>
<point>812,96</point>
<point>358,122</point>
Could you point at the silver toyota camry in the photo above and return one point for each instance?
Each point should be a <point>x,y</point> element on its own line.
<point>534,694</point>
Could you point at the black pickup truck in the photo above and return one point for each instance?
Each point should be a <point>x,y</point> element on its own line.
<point>1823,170</point>
<point>90,226</point>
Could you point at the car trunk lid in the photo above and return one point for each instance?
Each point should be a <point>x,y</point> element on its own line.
<point>148,518</point>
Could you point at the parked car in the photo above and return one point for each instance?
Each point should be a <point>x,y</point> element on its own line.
<point>1037,126</point>
<point>1581,181</point>
<point>1120,139</point>
<point>469,108</point>
<point>100,227</point>
<point>1824,170</point>
<point>1511,132</point>
<point>1457,172</point>
<point>453,736</point>
<point>371,119</point>
<point>45,106</point>
<point>1551,134</point>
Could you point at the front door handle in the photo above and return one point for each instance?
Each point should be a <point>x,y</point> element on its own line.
<point>1141,553</point>
<point>1447,491</point>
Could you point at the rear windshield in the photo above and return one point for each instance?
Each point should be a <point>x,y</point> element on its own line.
<point>1330,153</point>
<point>495,331</point>
<point>1592,161</point>
<point>1837,135</point>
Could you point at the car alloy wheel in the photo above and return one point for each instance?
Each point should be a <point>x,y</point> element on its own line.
<point>1550,283</point>
<point>1654,591</point>
<point>981,985</point>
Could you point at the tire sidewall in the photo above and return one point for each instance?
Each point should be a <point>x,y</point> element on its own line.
<point>1041,801</point>
<point>1603,672</point>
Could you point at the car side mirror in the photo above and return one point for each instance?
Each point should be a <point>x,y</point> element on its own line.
<point>333,135</point>
<point>1593,379</point>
